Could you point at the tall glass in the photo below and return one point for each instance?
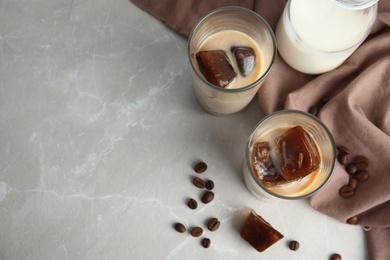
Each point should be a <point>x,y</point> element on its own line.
<point>317,36</point>
<point>223,101</point>
<point>310,184</point>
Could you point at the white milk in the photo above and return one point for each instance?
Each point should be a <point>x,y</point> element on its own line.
<point>325,34</point>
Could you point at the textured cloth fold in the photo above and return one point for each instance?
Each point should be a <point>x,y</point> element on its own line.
<point>354,102</point>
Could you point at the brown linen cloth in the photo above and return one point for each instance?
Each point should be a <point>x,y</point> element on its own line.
<point>357,109</point>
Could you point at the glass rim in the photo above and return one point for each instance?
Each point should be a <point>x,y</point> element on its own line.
<point>355,4</point>
<point>268,117</point>
<point>245,10</point>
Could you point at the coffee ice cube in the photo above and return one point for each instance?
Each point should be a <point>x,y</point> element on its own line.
<point>259,233</point>
<point>264,166</point>
<point>245,58</point>
<point>216,67</point>
<point>299,155</point>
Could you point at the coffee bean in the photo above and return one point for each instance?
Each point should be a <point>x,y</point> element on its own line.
<point>335,257</point>
<point>346,191</point>
<point>192,204</point>
<point>198,182</point>
<point>180,228</point>
<point>206,242</point>
<point>342,158</point>
<point>293,245</point>
<point>207,197</point>
<point>196,231</point>
<point>353,183</point>
<point>361,165</point>
<point>341,149</point>
<point>362,160</point>
<point>210,185</point>
<point>200,167</point>
<point>353,220</point>
<point>362,175</point>
<point>213,224</point>
<point>351,169</point>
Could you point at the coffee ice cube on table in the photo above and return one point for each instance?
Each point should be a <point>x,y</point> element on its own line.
<point>259,233</point>
<point>245,58</point>
<point>216,67</point>
<point>298,154</point>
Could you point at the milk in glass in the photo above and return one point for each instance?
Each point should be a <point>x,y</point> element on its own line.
<point>315,36</point>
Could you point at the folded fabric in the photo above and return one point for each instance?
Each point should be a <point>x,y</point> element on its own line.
<point>354,102</point>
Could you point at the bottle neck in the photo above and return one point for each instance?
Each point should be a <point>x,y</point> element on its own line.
<point>355,4</point>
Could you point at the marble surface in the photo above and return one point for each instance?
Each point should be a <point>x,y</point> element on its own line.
<point>99,131</point>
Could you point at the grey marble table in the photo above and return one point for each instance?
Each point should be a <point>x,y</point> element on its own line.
<point>99,131</point>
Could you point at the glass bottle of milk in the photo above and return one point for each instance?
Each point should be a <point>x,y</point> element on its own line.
<point>316,36</point>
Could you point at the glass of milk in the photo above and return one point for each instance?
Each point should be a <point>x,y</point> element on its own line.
<point>225,29</point>
<point>316,36</point>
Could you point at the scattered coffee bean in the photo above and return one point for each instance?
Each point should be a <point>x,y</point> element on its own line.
<point>198,182</point>
<point>353,220</point>
<point>361,162</point>
<point>353,183</point>
<point>293,245</point>
<point>210,185</point>
<point>361,166</point>
<point>207,197</point>
<point>200,167</point>
<point>346,191</point>
<point>362,175</point>
<point>180,228</point>
<point>335,257</point>
<point>341,149</point>
<point>357,170</point>
<point>213,224</point>
<point>192,204</point>
<point>206,242</point>
<point>351,169</point>
<point>196,231</point>
<point>343,158</point>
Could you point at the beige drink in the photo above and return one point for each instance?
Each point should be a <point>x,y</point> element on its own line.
<point>226,40</point>
<point>301,183</point>
<point>289,155</point>
<point>222,87</point>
